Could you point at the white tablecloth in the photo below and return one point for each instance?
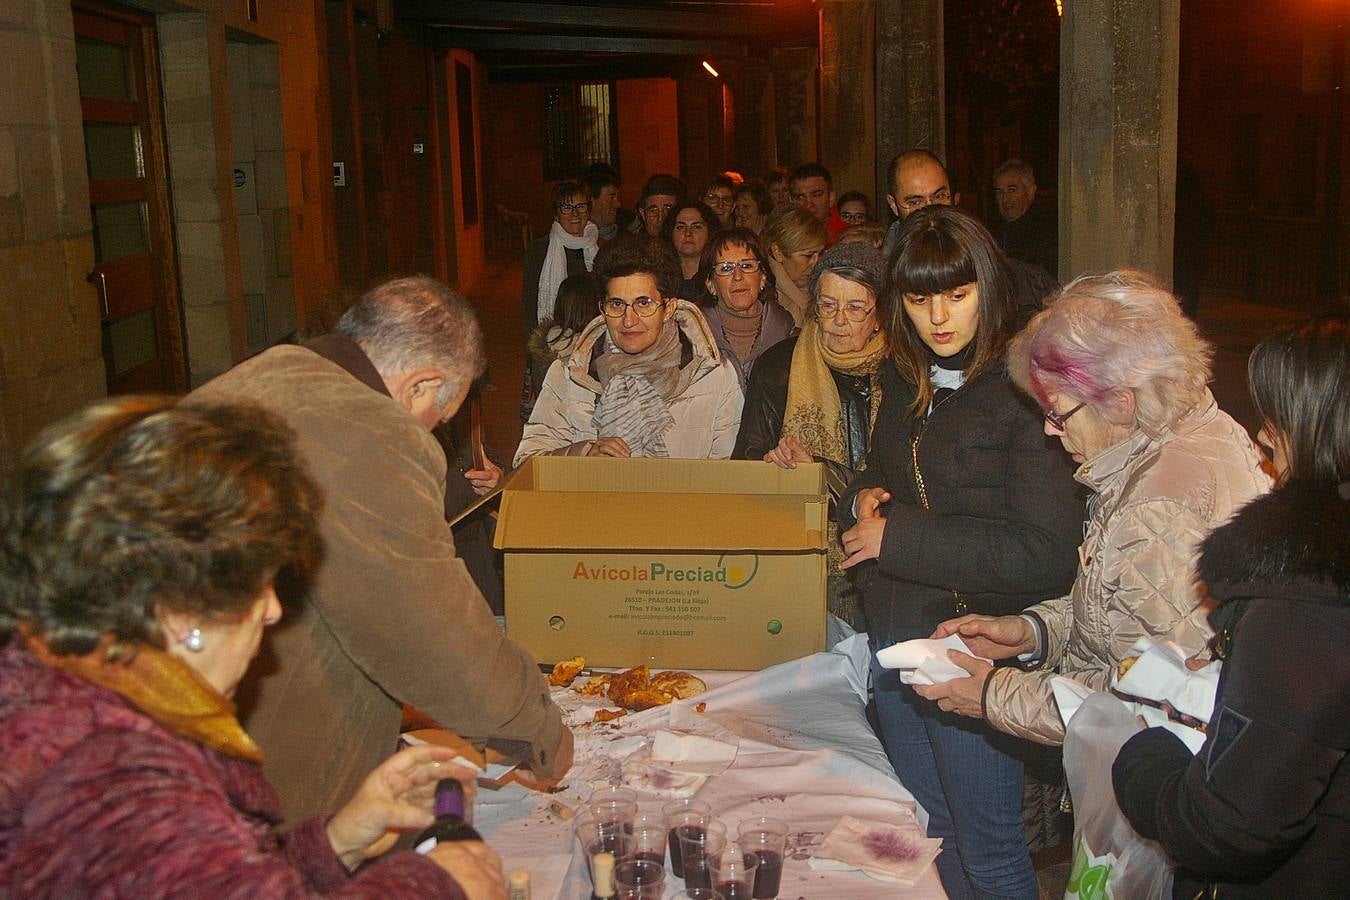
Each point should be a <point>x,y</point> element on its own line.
<point>807,756</point>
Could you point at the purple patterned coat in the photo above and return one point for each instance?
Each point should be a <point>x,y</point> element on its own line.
<point>98,799</point>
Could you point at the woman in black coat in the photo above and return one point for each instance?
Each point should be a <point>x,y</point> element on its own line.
<point>964,506</point>
<point>1263,810</point>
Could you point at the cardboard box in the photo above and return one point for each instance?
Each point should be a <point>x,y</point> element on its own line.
<point>690,564</point>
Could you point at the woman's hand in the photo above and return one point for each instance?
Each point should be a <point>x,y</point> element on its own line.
<point>474,865</point>
<point>788,453</point>
<point>610,446</point>
<point>963,696</point>
<point>397,796</point>
<point>863,541</point>
<point>485,479</point>
<point>993,637</point>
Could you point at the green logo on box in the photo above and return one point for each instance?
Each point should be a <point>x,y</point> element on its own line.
<point>739,572</point>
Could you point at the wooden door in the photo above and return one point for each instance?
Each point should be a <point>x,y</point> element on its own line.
<point>135,271</point>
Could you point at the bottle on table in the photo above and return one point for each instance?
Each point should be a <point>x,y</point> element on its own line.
<point>518,886</point>
<point>602,876</point>
<point>451,820</point>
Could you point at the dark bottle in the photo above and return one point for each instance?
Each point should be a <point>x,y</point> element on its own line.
<point>450,824</point>
<point>602,876</point>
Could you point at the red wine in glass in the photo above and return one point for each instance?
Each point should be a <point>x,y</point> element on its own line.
<point>651,856</point>
<point>734,890</point>
<point>676,862</point>
<point>769,874</point>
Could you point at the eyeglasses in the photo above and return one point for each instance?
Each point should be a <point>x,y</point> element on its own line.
<point>1058,420</point>
<point>717,199</point>
<point>853,218</point>
<point>569,208</point>
<point>940,197</point>
<point>854,312</point>
<point>747,267</point>
<point>614,308</point>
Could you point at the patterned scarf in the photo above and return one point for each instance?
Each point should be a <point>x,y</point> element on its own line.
<point>164,688</point>
<point>636,390</point>
<point>814,414</point>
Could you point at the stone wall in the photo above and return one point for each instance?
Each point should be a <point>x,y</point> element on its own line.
<point>50,338</point>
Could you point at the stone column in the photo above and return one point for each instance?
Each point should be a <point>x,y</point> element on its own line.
<point>794,89</point>
<point>51,359</point>
<point>1117,135</point>
<point>910,85</point>
<point>848,146</point>
<point>197,124</point>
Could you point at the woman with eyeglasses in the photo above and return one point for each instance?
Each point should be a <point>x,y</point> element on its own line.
<point>720,195</point>
<point>744,316</point>
<point>963,506</point>
<point>646,378</point>
<point>1120,375</point>
<point>568,249</point>
<point>688,227</point>
<point>854,208</point>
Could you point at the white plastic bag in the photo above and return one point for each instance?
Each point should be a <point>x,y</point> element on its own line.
<point>1110,860</point>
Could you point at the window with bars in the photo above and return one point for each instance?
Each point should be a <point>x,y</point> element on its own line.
<point>578,128</point>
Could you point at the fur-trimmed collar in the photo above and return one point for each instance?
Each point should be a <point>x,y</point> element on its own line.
<point>1296,535</point>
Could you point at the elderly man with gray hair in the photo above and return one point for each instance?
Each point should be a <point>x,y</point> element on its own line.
<point>393,616</point>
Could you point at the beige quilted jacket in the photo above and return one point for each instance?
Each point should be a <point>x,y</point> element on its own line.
<point>1154,500</point>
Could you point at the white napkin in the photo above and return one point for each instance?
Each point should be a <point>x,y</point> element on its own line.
<point>895,853</point>
<point>693,752</point>
<point>648,776</point>
<point>1160,673</point>
<point>924,660</point>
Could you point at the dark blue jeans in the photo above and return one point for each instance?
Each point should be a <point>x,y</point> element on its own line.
<point>960,771</point>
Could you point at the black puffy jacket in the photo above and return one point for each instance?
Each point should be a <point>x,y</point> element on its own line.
<point>1003,518</point>
<point>1263,810</point>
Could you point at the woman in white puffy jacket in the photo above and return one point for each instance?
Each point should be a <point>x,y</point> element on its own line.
<point>646,378</point>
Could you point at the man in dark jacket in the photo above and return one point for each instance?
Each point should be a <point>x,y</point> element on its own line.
<point>1030,231</point>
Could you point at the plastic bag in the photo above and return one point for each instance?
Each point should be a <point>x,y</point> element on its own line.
<point>1110,860</point>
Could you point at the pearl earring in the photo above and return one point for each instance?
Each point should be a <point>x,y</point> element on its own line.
<point>194,641</point>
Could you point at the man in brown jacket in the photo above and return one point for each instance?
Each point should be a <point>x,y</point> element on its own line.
<point>393,617</point>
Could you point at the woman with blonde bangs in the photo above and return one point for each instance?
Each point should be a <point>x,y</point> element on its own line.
<point>795,239</point>
<point>962,506</point>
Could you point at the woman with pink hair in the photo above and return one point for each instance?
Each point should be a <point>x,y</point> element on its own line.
<point>1121,375</point>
